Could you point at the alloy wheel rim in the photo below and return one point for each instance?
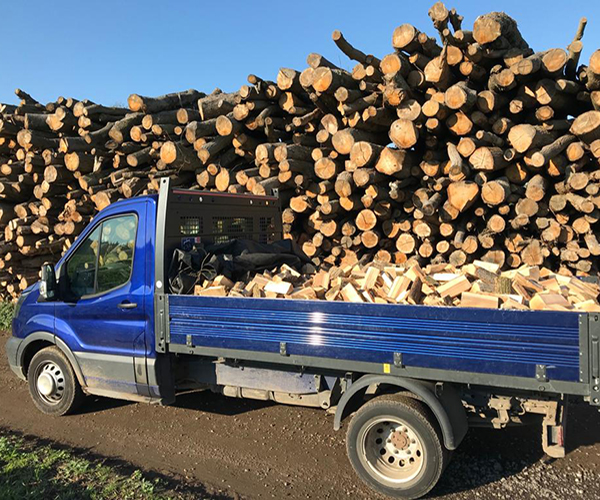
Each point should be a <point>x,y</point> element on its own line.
<point>391,451</point>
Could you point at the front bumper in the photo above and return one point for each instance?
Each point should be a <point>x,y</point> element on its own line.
<point>12,349</point>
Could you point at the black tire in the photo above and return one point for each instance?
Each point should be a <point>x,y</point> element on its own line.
<point>369,453</point>
<point>67,395</point>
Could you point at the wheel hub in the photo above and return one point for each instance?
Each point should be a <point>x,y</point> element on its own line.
<point>391,450</point>
<point>46,385</point>
<point>50,382</point>
<point>400,440</point>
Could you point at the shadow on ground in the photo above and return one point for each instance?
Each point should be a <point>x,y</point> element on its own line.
<point>80,491</point>
<point>583,428</point>
<point>97,404</point>
<point>210,402</point>
<point>478,461</point>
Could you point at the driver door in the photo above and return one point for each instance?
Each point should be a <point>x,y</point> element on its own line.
<point>101,311</point>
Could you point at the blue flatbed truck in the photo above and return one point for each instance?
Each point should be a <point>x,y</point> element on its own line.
<point>410,380</point>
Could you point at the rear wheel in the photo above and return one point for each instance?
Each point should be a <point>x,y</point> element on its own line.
<point>52,383</point>
<point>395,446</point>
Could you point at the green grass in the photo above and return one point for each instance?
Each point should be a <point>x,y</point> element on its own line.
<point>29,470</point>
<point>6,313</point>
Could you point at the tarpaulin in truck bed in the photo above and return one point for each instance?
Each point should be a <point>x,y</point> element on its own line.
<point>235,259</point>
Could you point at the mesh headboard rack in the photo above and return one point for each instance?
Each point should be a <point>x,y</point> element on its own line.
<point>213,217</point>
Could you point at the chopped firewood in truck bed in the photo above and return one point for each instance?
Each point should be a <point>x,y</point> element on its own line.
<point>479,284</point>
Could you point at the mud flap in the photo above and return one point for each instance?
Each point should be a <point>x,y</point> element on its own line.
<point>554,431</point>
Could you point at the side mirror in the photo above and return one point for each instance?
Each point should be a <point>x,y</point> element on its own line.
<point>48,282</point>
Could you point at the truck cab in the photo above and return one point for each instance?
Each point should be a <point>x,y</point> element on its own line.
<point>97,304</point>
<point>100,313</point>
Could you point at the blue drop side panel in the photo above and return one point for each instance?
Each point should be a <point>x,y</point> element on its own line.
<point>449,338</point>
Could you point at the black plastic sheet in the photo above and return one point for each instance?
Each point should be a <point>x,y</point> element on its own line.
<point>236,259</point>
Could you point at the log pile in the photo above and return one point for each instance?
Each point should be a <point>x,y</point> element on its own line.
<point>479,284</point>
<point>471,146</point>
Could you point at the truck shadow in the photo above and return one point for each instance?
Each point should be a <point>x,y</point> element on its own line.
<point>209,402</point>
<point>488,456</point>
<point>583,428</point>
<point>219,404</point>
<point>97,404</point>
<point>79,489</point>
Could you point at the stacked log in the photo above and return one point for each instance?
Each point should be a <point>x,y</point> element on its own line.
<point>468,147</point>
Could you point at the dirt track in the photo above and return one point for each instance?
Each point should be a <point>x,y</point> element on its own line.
<point>233,448</point>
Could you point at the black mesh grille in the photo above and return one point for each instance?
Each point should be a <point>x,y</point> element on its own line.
<point>266,226</point>
<point>190,226</point>
<point>226,228</point>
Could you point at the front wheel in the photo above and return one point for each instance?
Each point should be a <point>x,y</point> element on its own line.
<point>52,383</point>
<point>395,446</point>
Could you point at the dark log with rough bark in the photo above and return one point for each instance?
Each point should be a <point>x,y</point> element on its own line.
<point>168,101</point>
<point>490,27</point>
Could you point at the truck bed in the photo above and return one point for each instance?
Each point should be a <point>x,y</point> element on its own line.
<point>528,349</point>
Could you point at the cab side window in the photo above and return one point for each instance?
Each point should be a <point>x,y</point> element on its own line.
<point>104,261</point>
<point>116,252</point>
<point>81,266</point>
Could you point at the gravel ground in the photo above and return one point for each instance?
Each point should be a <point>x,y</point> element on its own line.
<point>228,448</point>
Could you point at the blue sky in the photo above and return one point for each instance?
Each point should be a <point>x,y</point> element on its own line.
<point>105,50</point>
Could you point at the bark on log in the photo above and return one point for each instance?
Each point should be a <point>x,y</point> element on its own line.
<point>168,101</point>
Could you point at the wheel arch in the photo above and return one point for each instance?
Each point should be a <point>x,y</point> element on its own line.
<point>37,341</point>
<point>447,407</point>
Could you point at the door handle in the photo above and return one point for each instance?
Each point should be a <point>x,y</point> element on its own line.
<point>127,305</point>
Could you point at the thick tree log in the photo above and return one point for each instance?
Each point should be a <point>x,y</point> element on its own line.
<point>536,188</point>
<point>460,96</point>
<point>164,102</point>
<point>329,79</point>
<point>523,137</point>
<point>593,72</point>
<point>405,38</point>
<point>438,73</point>
<point>30,138</point>
<point>289,80</point>
<point>404,133</point>
<point>211,149</point>
<point>326,168</point>
<point>142,157</point>
<point>587,126</point>
<point>80,162</point>
<point>395,63</point>
<point>488,159</point>
<point>179,156</point>
<point>120,130</point>
<point>545,154</point>
<point>365,153</point>
<point>554,61</point>
<point>459,124</point>
<point>490,27</point>
<point>495,192</point>
<point>395,161</point>
<point>344,140</point>
<point>291,152</point>
<point>215,105</point>
<point>461,195</point>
